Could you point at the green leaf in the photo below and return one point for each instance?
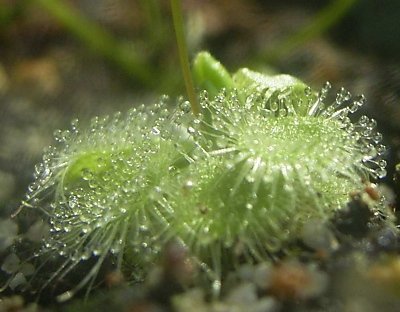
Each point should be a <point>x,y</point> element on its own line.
<point>210,74</point>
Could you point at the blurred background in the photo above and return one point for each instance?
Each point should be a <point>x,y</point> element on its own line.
<point>80,58</point>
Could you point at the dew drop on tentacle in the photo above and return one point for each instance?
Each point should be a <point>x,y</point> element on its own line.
<point>318,105</point>
<point>185,106</point>
<point>363,121</point>
<point>86,174</point>
<point>61,136</point>
<point>381,149</point>
<point>155,131</point>
<point>325,89</point>
<point>341,97</point>
<point>357,103</point>
<point>75,126</point>
<point>274,106</point>
<point>308,91</point>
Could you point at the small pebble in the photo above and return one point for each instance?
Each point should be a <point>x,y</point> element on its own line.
<point>8,233</point>
<point>243,294</point>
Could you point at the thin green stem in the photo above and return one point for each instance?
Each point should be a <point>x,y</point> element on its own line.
<point>176,8</point>
<point>99,40</point>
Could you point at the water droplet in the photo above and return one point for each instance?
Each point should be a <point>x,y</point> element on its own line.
<point>381,173</point>
<point>189,184</point>
<point>58,135</point>
<point>191,130</point>
<point>72,202</point>
<point>283,112</point>
<point>360,99</point>
<point>74,125</point>
<point>308,91</point>
<point>367,149</point>
<point>34,186</point>
<point>355,136</point>
<point>382,163</point>
<point>39,169</point>
<point>343,96</point>
<point>155,131</point>
<point>274,106</point>
<point>380,149</point>
<point>377,137</point>
<point>358,102</point>
<point>185,106</point>
<point>327,86</point>
<point>363,121</point>
<point>371,124</point>
<point>107,176</point>
<point>143,229</point>
<point>87,174</point>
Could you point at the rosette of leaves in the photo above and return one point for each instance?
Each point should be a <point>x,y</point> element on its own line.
<point>265,154</point>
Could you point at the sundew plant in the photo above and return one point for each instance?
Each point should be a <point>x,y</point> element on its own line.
<point>254,160</point>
